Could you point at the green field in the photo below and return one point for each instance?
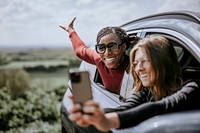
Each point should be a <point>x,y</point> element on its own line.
<point>36,107</point>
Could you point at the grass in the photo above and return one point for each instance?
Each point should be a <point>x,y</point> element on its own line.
<point>37,108</point>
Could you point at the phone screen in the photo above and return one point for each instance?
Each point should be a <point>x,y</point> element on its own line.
<point>81,87</point>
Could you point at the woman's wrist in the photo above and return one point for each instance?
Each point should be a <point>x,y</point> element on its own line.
<point>70,30</point>
<point>113,120</point>
<point>71,33</point>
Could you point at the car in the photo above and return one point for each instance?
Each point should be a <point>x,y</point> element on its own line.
<point>182,28</point>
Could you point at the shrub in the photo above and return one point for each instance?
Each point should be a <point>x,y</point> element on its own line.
<point>38,127</point>
<point>2,79</point>
<point>18,114</point>
<point>4,58</point>
<point>33,106</point>
<point>16,81</point>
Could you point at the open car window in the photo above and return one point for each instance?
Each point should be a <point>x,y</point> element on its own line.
<point>127,81</point>
<point>189,64</point>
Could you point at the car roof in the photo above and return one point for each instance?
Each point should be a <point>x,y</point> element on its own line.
<point>184,15</point>
<point>185,23</point>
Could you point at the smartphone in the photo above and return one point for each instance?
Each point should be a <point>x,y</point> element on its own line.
<point>81,87</point>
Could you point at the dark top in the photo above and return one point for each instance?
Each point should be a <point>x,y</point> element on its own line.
<point>130,114</point>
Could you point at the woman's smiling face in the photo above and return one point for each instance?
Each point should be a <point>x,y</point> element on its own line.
<point>112,59</point>
<point>143,67</point>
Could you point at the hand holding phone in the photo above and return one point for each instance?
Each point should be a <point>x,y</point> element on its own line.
<point>81,87</point>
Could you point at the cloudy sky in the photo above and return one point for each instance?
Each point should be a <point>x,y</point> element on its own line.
<point>35,23</point>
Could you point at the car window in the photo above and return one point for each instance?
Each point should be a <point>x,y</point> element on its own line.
<point>190,65</point>
<point>179,52</point>
<point>133,37</point>
<point>127,81</point>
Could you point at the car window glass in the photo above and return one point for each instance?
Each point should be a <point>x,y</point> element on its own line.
<point>179,52</point>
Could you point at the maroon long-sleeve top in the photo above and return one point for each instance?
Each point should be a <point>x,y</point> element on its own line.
<point>111,78</point>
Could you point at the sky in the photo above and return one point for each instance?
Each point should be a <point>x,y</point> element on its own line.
<point>35,23</point>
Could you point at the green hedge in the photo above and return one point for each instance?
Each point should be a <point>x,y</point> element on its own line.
<point>35,106</point>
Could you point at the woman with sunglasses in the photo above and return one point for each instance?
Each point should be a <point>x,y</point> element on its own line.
<point>158,89</point>
<point>109,54</point>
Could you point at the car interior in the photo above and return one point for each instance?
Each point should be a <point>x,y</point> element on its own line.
<point>190,66</point>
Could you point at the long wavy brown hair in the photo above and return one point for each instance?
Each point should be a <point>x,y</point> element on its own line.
<point>166,71</point>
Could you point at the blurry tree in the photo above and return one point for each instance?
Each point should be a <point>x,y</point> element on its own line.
<point>4,58</point>
<point>15,80</point>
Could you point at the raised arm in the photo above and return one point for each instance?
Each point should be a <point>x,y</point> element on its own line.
<point>81,50</point>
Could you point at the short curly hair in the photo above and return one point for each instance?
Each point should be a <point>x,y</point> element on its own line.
<point>119,32</point>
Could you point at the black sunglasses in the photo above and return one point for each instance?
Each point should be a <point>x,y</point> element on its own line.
<point>112,47</point>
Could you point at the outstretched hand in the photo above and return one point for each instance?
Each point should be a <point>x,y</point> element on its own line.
<point>70,27</point>
<point>95,116</point>
<point>92,115</point>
